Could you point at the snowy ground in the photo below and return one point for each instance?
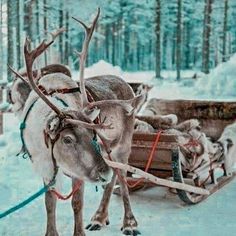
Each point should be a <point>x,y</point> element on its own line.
<point>158,211</point>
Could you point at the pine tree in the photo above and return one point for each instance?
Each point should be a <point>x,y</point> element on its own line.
<point>10,36</point>
<point>179,38</point>
<point>28,18</point>
<point>45,27</point>
<point>225,29</point>
<point>1,41</point>
<point>206,36</point>
<point>158,39</point>
<point>18,35</point>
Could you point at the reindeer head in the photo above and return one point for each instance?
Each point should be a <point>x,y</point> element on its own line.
<point>75,147</point>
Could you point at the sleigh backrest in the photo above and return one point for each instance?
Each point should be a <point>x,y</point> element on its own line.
<point>213,115</point>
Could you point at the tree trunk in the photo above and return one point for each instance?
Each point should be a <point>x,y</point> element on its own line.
<point>113,43</point>
<point>158,39</point>
<point>206,36</point>
<point>178,39</point>
<point>229,45</point>
<point>173,60</point>
<point>126,47</point>
<point>164,50</point>
<point>225,29</point>
<point>216,52</point>
<point>61,22</point>
<point>150,57</point>
<point>1,42</point>
<point>18,35</point>
<point>107,42</point>
<point>66,55</point>
<point>138,54</point>
<point>38,20</point>
<point>28,18</point>
<point>187,45</point>
<point>10,38</point>
<point>45,28</point>
<point>1,63</point>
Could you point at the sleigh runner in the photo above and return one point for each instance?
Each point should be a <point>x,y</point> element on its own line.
<point>169,157</point>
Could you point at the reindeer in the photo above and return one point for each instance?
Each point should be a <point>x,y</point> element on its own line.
<point>60,133</point>
<point>226,146</point>
<point>20,89</point>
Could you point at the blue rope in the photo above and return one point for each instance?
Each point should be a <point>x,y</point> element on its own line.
<point>43,190</point>
<point>24,149</point>
<point>27,201</point>
<point>26,152</point>
<point>96,146</point>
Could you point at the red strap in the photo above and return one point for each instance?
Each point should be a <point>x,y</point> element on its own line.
<point>192,143</point>
<point>73,191</point>
<point>149,162</point>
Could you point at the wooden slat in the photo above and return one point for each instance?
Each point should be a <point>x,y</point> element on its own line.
<point>187,109</point>
<point>140,154</point>
<point>151,137</point>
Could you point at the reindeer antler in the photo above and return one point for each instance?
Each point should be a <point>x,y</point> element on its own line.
<point>30,56</point>
<point>17,74</point>
<point>83,54</point>
<point>89,125</point>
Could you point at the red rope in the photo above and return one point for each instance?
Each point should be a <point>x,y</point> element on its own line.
<point>149,162</point>
<point>73,191</point>
<point>192,143</point>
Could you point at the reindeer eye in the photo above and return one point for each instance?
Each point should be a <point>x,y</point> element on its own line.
<point>67,140</point>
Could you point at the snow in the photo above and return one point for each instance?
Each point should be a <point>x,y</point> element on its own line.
<point>221,82</point>
<point>158,211</point>
<point>4,106</point>
<point>219,85</point>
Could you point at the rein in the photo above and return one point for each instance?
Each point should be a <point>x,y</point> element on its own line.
<point>26,153</point>
<point>24,149</point>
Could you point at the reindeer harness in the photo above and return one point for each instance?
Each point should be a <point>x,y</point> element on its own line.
<point>47,138</point>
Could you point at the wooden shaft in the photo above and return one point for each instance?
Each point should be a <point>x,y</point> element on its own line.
<point>156,180</point>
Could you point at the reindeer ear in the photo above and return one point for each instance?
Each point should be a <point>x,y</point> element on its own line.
<point>92,114</point>
<point>52,126</point>
<point>136,103</point>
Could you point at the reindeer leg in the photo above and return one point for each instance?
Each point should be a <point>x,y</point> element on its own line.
<point>100,218</point>
<point>129,224</point>
<point>77,205</point>
<point>50,203</point>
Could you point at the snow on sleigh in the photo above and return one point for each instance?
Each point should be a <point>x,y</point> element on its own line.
<point>196,150</point>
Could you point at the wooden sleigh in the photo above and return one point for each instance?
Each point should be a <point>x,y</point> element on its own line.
<point>166,163</point>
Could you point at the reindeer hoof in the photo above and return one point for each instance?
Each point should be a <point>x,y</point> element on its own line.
<point>97,222</point>
<point>128,231</point>
<point>130,226</point>
<point>93,227</point>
